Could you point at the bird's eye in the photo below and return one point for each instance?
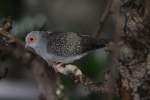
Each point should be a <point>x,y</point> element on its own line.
<point>31,39</point>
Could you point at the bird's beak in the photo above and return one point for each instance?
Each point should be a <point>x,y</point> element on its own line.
<point>26,46</point>
<point>29,48</point>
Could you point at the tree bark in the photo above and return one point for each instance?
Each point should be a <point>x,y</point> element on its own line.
<point>132,39</point>
<point>46,81</point>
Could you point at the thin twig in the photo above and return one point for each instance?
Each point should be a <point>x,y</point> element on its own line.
<point>103,19</point>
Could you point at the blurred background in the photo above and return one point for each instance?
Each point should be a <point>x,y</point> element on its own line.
<point>54,15</point>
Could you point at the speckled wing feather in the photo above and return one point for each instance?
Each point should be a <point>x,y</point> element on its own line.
<point>70,44</point>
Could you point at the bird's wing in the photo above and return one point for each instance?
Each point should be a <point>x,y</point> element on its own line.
<point>70,44</point>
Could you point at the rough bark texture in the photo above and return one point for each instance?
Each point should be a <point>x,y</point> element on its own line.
<point>45,80</point>
<point>133,44</point>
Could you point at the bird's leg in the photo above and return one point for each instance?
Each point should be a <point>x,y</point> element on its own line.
<point>57,65</point>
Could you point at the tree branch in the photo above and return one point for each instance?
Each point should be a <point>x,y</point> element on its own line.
<point>103,18</point>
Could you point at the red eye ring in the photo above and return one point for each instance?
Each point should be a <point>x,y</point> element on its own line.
<point>31,39</point>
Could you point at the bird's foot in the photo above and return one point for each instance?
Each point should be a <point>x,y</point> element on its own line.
<point>57,66</point>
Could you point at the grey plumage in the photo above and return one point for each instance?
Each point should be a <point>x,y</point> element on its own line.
<point>64,47</point>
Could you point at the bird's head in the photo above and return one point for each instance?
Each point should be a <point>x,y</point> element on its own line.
<point>33,39</point>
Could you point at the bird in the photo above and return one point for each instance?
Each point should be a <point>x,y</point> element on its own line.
<point>58,48</point>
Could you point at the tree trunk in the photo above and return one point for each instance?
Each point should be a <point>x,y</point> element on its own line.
<point>131,53</point>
